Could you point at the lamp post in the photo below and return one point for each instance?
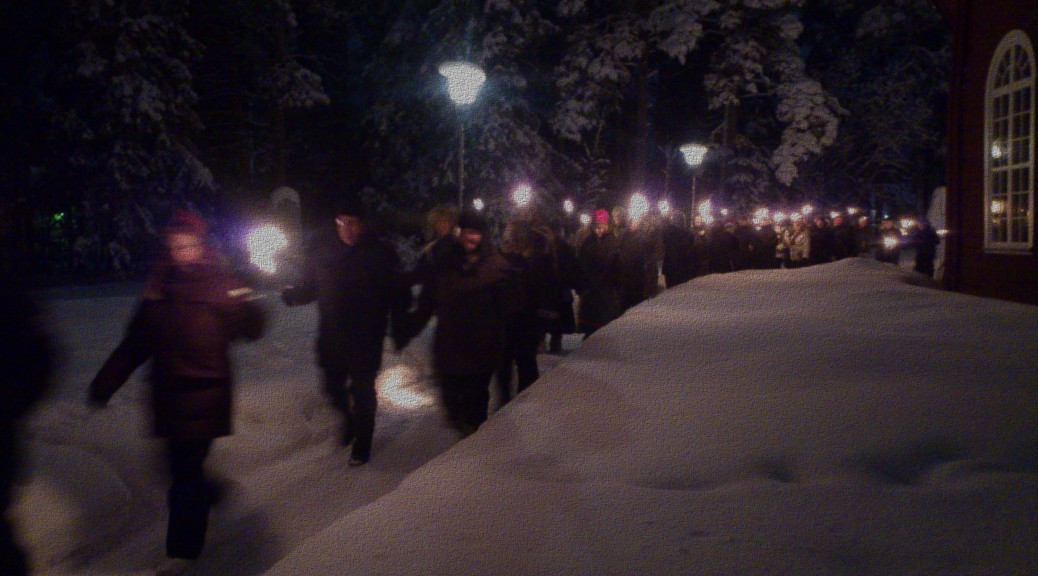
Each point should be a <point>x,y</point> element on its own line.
<point>463,83</point>
<point>694,155</point>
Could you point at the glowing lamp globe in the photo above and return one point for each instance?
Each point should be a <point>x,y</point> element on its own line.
<point>463,81</point>
<point>522,195</point>
<point>567,206</point>
<point>638,206</point>
<point>478,204</point>
<point>693,153</point>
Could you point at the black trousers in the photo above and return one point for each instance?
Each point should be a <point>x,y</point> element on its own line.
<point>520,351</point>
<point>465,396</point>
<point>352,392</point>
<point>190,498</point>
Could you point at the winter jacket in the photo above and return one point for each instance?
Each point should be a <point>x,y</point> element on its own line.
<point>185,325</point>
<point>358,289</point>
<point>599,266</point>
<point>472,301</point>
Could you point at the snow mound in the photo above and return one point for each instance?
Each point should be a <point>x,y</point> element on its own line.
<point>845,418</point>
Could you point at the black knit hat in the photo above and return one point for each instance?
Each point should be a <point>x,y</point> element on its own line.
<point>350,205</point>
<point>472,220</point>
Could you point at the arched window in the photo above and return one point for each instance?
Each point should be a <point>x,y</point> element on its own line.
<point>1009,147</point>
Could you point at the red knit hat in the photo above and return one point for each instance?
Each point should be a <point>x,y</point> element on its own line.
<point>185,222</point>
<point>602,216</point>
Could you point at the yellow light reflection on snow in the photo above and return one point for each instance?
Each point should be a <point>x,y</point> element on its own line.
<point>399,386</point>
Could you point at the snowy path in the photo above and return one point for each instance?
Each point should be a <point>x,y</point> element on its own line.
<point>100,474</point>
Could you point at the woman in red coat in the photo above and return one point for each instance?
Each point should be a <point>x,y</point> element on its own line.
<point>192,309</point>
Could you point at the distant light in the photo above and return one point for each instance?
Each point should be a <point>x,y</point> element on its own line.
<point>664,207</point>
<point>852,211</point>
<point>780,217</point>
<point>706,209</point>
<point>996,150</point>
<point>463,81</point>
<point>907,223</point>
<point>890,242</point>
<point>522,195</point>
<point>263,244</point>
<point>795,216</point>
<point>998,207</point>
<point>724,211</point>
<point>693,153</point>
<point>807,209</point>
<point>834,215</point>
<point>943,232</point>
<point>585,219</point>
<point>58,217</point>
<point>401,387</point>
<point>567,206</point>
<point>478,204</point>
<point>637,206</point>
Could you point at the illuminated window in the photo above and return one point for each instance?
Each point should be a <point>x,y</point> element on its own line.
<point>1009,147</point>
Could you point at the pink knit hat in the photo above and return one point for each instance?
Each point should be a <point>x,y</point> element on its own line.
<point>602,216</point>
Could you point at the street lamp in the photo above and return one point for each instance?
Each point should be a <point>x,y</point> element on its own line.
<point>522,195</point>
<point>463,83</point>
<point>694,155</point>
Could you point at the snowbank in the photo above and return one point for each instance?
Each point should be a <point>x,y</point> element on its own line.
<point>834,419</point>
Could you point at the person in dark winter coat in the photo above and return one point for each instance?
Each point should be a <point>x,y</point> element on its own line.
<point>679,264</point>
<point>526,250</point>
<point>823,241</point>
<point>925,240</point>
<point>440,240</point>
<point>566,273</point>
<point>359,286</point>
<point>473,293</point>
<point>598,259</point>
<point>637,272</point>
<point>28,354</point>
<point>193,309</point>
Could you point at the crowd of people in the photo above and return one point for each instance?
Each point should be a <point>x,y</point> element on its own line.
<point>498,303</point>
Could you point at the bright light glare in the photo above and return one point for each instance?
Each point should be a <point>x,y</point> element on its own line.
<point>637,206</point>
<point>834,214</point>
<point>706,208</point>
<point>585,219</point>
<point>693,153</point>
<point>664,207</point>
<point>264,243</point>
<point>807,209</point>
<point>522,195</point>
<point>463,81</point>
<point>852,211</point>
<point>567,206</point>
<point>890,242</point>
<point>478,204</point>
<point>780,217</point>
<point>907,223</point>
<point>399,386</point>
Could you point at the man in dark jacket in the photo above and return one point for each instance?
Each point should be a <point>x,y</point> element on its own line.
<point>925,240</point>
<point>358,284</point>
<point>472,294</point>
<point>28,359</point>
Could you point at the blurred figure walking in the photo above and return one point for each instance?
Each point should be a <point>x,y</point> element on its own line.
<point>192,309</point>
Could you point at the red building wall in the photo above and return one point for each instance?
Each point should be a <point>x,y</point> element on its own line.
<point>977,29</point>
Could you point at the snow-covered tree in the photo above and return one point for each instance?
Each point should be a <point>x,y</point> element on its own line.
<point>888,67</point>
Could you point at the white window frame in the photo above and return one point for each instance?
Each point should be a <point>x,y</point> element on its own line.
<point>1017,131</point>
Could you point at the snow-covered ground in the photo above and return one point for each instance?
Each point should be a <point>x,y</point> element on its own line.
<point>839,419</point>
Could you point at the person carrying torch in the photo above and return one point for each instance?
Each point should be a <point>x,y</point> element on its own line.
<point>192,309</point>
<point>358,284</point>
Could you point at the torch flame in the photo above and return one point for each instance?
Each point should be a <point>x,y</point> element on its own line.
<point>264,243</point>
